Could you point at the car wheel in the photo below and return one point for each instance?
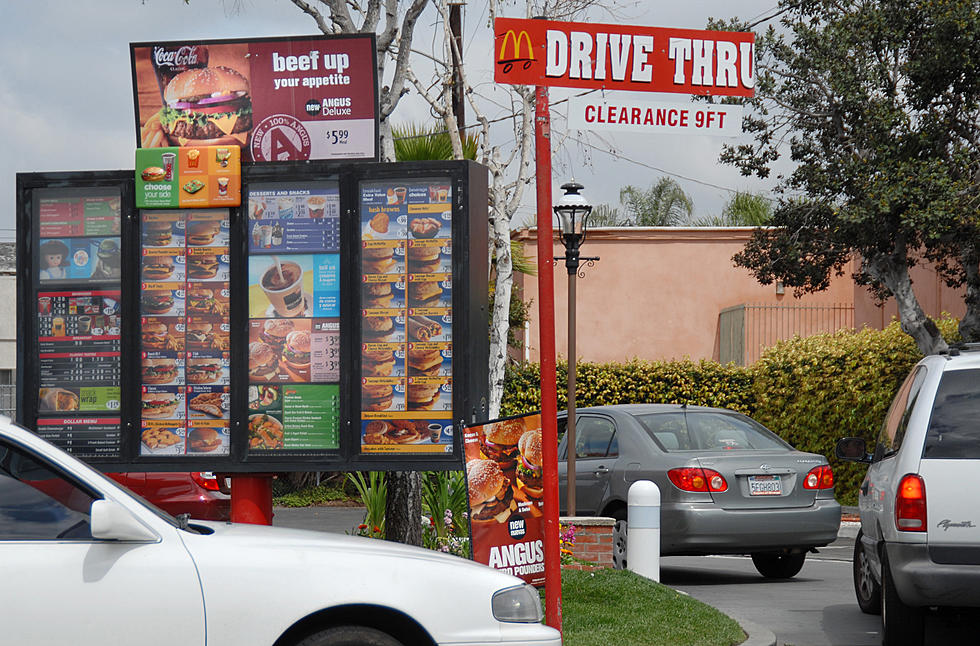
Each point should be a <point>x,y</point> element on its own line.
<point>350,636</point>
<point>620,529</point>
<point>778,566</point>
<point>867,590</point>
<point>901,625</point>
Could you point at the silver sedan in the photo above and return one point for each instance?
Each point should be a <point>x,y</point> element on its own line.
<point>728,485</point>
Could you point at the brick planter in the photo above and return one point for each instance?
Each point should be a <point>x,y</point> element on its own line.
<point>593,541</point>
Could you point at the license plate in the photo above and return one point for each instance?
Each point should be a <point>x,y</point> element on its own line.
<point>765,486</point>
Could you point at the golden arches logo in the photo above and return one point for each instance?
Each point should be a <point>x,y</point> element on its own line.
<point>512,37</point>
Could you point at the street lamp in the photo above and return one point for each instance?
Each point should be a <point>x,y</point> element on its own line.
<point>573,218</point>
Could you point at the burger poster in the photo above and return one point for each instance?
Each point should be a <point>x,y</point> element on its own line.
<point>278,99</point>
<point>406,317</point>
<point>185,332</point>
<point>505,487</point>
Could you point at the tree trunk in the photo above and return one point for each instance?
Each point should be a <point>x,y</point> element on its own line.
<point>403,508</point>
<point>970,323</point>
<point>504,281</point>
<point>892,271</point>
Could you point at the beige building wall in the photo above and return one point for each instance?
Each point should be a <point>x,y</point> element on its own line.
<point>656,293</point>
<point>8,322</point>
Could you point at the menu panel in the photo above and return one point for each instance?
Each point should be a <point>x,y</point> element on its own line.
<point>78,319</point>
<point>406,316</point>
<point>185,333</point>
<point>294,318</point>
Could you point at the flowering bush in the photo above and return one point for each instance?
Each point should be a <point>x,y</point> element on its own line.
<point>566,539</point>
<point>446,538</point>
<point>369,532</point>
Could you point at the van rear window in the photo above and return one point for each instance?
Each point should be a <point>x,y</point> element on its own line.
<point>954,431</point>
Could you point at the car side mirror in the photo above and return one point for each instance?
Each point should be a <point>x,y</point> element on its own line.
<point>852,449</point>
<point>111,521</point>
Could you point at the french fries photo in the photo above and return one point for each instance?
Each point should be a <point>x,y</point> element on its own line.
<point>151,134</point>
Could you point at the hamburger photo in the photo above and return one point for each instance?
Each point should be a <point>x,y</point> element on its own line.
<point>203,370</point>
<point>423,396</point>
<point>490,493</point>
<point>529,467</point>
<point>202,232</point>
<point>423,260</point>
<point>378,328</point>
<point>157,268</point>
<point>199,335</point>
<point>376,396</point>
<point>378,260</point>
<point>296,350</point>
<point>263,361</point>
<point>200,300</point>
<point>203,439</point>
<point>157,301</point>
<point>157,234</point>
<point>153,174</point>
<point>424,294</point>
<point>377,363</point>
<point>499,442</point>
<point>202,267</point>
<point>156,336</point>
<point>275,331</point>
<point>159,405</point>
<point>208,106</point>
<point>159,371</point>
<point>424,362</point>
<point>377,295</point>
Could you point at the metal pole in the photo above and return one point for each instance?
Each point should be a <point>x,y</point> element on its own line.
<point>546,334</point>
<point>572,265</point>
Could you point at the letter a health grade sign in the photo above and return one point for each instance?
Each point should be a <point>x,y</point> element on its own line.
<point>623,57</point>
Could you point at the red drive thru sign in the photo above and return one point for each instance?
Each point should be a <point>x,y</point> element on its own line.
<point>623,57</point>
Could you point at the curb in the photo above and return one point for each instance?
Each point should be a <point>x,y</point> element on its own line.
<point>757,635</point>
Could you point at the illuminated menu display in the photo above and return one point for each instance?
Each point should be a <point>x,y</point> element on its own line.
<point>406,317</point>
<point>294,319</point>
<point>78,320</point>
<point>185,333</point>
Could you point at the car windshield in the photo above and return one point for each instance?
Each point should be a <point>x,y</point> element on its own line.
<point>953,429</point>
<point>712,431</point>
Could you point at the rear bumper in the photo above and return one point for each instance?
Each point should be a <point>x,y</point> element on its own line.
<point>922,582</point>
<point>699,528</point>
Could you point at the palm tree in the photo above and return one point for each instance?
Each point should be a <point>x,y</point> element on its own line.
<point>604,215</point>
<point>743,210</point>
<point>665,204</point>
<point>419,143</point>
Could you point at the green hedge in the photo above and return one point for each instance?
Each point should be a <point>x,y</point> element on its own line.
<point>811,391</point>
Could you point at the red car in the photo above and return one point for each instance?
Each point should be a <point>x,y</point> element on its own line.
<point>198,493</point>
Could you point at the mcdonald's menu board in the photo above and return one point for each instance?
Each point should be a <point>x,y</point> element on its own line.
<point>294,318</point>
<point>406,314</point>
<point>78,319</point>
<point>185,333</point>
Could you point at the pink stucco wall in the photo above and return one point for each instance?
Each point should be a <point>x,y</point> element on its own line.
<point>656,293</point>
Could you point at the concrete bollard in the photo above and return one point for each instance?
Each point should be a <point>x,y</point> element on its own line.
<point>643,527</point>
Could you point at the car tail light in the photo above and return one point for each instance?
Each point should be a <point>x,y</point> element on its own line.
<point>697,479</point>
<point>206,480</point>
<point>821,477</point>
<point>910,504</point>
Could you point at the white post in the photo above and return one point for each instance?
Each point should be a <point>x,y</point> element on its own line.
<point>643,526</point>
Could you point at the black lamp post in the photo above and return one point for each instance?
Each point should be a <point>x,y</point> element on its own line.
<point>573,217</point>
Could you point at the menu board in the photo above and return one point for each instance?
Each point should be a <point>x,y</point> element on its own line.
<point>406,313</point>
<point>78,320</point>
<point>185,333</point>
<point>294,318</point>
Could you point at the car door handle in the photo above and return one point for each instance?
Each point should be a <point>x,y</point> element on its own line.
<point>601,471</point>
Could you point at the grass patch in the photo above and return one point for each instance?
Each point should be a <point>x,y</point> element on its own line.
<point>309,496</point>
<point>619,607</point>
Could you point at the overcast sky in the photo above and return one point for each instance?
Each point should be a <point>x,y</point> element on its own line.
<point>67,101</point>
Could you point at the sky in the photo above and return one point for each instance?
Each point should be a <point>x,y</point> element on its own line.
<point>66,91</point>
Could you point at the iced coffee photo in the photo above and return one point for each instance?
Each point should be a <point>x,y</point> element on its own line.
<point>278,286</point>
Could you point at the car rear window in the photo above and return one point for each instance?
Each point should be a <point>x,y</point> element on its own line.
<point>708,431</point>
<point>953,429</point>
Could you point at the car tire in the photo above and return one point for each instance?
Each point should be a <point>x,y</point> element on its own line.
<point>778,566</point>
<point>866,589</point>
<point>901,625</point>
<point>350,636</point>
<point>620,531</point>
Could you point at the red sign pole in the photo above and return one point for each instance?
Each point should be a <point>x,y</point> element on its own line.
<point>546,333</point>
<point>251,498</point>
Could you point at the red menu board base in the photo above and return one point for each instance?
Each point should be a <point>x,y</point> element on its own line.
<point>251,499</point>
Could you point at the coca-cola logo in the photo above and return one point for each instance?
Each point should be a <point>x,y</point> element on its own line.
<point>186,55</point>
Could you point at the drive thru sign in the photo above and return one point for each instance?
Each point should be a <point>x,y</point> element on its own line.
<point>623,57</point>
